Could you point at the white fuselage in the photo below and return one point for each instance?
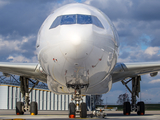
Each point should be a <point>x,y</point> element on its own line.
<point>78,53</point>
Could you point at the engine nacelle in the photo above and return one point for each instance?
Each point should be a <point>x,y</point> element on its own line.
<point>154,74</point>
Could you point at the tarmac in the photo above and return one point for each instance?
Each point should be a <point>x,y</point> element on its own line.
<point>61,115</point>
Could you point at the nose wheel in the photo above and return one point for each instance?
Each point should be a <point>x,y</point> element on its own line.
<point>72,110</point>
<point>77,107</point>
<point>83,113</point>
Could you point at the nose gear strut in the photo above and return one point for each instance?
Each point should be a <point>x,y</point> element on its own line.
<point>77,108</point>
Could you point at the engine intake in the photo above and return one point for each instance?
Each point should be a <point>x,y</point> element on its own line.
<point>154,74</point>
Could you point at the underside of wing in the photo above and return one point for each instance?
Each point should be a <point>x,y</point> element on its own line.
<point>29,70</point>
<point>127,70</point>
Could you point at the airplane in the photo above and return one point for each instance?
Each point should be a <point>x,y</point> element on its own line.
<point>77,49</point>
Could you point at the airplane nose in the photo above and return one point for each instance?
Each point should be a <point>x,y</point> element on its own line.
<point>75,39</point>
<point>76,43</point>
<point>76,48</point>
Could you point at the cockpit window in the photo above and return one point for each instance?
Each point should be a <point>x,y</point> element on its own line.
<point>68,19</point>
<point>97,22</point>
<point>76,19</point>
<point>56,22</point>
<point>84,19</point>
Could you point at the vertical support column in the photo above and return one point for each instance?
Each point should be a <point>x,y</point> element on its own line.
<point>63,103</point>
<point>4,90</point>
<point>38,98</point>
<point>84,98</point>
<point>52,101</point>
<point>41,100</point>
<point>45,100</point>
<point>56,102</point>
<point>14,97</point>
<point>70,97</point>
<point>33,95</point>
<point>30,96</point>
<point>10,98</point>
<point>67,102</point>
<point>59,102</point>
<point>18,95</point>
<point>48,100</point>
<point>90,102</point>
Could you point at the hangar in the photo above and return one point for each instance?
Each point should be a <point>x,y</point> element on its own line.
<point>46,99</point>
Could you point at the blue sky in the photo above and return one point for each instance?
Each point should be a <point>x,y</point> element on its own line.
<point>137,23</point>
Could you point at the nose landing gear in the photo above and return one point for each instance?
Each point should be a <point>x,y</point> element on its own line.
<point>77,107</point>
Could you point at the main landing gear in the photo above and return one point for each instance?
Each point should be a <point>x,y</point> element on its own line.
<point>77,107</point>
<point>139,107</point>
<point>22,107</point>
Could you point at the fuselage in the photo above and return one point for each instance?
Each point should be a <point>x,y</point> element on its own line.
<point>78,44</point>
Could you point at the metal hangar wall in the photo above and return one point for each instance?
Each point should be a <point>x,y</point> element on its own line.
<point>10,94</point>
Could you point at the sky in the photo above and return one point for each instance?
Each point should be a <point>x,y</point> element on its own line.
<point>137,23</point>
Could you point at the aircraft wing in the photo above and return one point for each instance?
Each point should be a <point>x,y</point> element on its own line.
<point>124,71</point>
<point>30,70</point>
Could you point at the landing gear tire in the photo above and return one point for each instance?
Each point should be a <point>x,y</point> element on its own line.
<point>126,108</point>
<point>19,108</point>
<point>140,108</point>
<point>72,109</point>
<point>33,108</point>
<point>83,113</point>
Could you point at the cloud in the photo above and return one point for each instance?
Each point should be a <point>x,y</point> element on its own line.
<point>21,59</point>
<point>25,17</point>
<point>135,53</point>
<point>133,19</point>
<point>152,50</point>
<point>155,81</point>
<point>15,44</point>
<point>3,3</point>
<point>128,9</point>
<point>88,2</point>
